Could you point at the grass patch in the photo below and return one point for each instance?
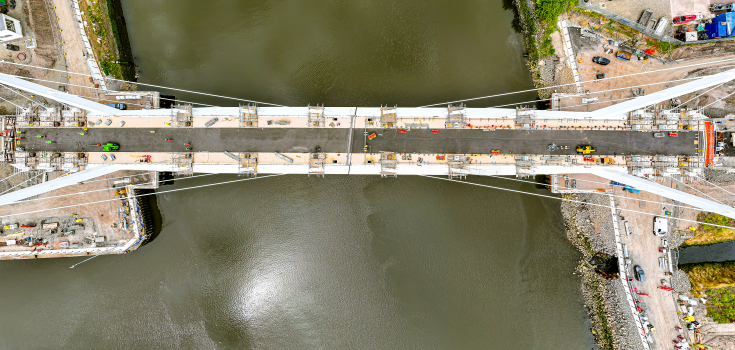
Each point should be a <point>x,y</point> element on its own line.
<point>721,304</point>
<point>604,336</point>
<point>709,275</point>
<point>109,38</point>
<point>706,234</point>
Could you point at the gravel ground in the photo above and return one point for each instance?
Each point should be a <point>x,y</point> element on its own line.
<point>681,282</point>
<point>590,229</point>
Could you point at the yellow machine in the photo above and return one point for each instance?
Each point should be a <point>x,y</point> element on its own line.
<point>585,149</point>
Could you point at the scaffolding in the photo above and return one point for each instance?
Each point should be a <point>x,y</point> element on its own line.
<point>524,166</point>
<point>9,136</point>
<point>456,117</point>
<point>388,164</point>
<point>75,161</point>
<point>316,163</point>
<point>25,161</point>
<point>27,117</point>
<point>659,119</point>
<point>183,163</point>
<point>316,116</point>
<point>457,166</point>
<point>248,165</point>
<point>249,116</point>
<point>182,116</point>
<point>388,117</point>
<point>75,117</point>
<point>49,118</point>
<point>525,118</point>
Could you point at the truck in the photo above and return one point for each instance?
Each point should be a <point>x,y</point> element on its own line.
<point>660,226</point>
<point>109,147</point>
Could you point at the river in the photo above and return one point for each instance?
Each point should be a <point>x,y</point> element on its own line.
<point>343,262</point>
<point>710,253</point>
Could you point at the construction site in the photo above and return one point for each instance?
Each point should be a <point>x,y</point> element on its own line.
<point>117,218</point>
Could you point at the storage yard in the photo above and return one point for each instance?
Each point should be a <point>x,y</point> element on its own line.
<point>34,229</point>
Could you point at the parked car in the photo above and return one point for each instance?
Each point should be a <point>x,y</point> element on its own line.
<point>639,274</point>
<point>601,60</point>
<point>120,106</point>
<point>658,135</point>
<point>684,19</point>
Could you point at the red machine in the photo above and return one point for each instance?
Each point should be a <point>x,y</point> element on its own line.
<point>402,131</point>
<point>434,132</point>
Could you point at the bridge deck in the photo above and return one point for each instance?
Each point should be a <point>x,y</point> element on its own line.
<point>335,140</point>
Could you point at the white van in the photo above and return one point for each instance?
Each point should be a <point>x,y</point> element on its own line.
<point>660,226</point>
<point>627,228</point>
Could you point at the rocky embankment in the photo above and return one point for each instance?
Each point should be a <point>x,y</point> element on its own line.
<point>590,229</point>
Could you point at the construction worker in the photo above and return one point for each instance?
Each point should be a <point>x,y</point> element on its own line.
<point>50,142</point>
<point>169,140</point>
<point>40,136</point>
<point>153,131</point>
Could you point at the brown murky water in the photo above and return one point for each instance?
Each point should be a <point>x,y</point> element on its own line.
<point>344,262</point>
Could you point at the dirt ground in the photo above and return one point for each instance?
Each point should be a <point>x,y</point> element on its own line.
<point>662,306</point>
<point>98,218</point>
<point>692,7</point>
<point>643,247</point>
<point>586,48</point>
<point>58,46</point>
<point>632,9</point>
<point>73,47</point>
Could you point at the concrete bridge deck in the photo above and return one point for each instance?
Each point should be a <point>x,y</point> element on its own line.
<point>333,140</point>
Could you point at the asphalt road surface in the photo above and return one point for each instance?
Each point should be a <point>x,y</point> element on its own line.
<point>291,140</point>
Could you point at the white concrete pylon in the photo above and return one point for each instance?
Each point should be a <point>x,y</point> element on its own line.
<point>63,97</point>
<point>663,95</point>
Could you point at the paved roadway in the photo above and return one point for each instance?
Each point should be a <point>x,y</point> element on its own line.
<point>335,140</point>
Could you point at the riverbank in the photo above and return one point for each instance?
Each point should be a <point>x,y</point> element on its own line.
<point>109,38</point>
<point>590,229</point>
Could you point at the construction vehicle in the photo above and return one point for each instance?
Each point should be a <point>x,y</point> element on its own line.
<point>372,136</point>
<point>122,191</point>
<point>109,147</point>
<point>585,149</point>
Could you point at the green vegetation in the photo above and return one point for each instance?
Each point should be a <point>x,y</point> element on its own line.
<point>549,10</point>
<point>547,13</point>
<point>706,234</point>
<point>604,336</point>
<point>120,33</point>
<point>721,304</point>
<point>107,47</point>
<point>717,281</point>
<point>710,275</point>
